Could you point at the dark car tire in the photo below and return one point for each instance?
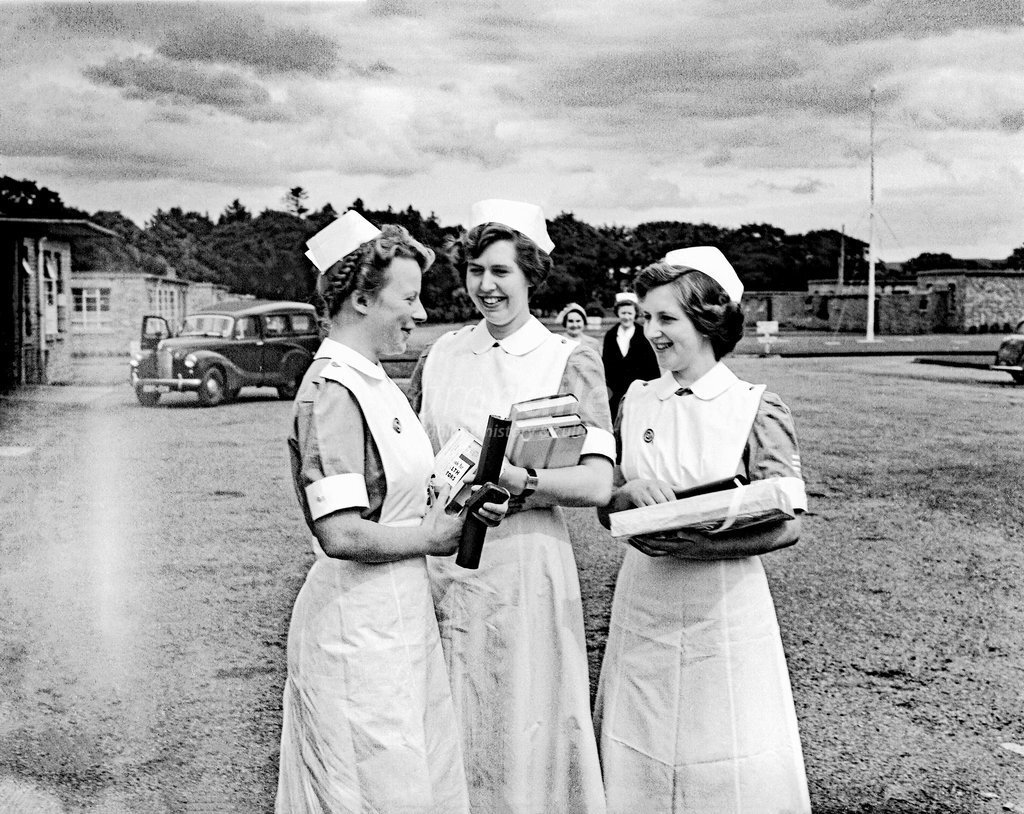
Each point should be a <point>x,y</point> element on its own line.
<point>147,399</point>
<point>1018,378</point>
<point>231,393</point>
<point>211,388</point>
<point>287,392</point>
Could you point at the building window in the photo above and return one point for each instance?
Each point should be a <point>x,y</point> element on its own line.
<point>166,301</point>
<point>91,309</point>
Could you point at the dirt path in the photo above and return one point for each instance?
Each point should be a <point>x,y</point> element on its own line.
<point>149,558</point>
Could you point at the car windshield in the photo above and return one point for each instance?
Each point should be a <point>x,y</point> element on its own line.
<point>206,325</point>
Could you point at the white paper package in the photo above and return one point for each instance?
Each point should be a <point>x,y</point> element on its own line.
<point>762,501</point>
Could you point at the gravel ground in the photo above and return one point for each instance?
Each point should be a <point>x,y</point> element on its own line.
<point>149,559</point>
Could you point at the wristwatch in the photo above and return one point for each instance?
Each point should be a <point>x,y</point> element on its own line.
<point>531,483</point>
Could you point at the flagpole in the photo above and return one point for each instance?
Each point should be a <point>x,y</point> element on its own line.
<point>870,336</point>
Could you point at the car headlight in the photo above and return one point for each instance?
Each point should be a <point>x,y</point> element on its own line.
<point>134,361</point>
<point>190,361</point>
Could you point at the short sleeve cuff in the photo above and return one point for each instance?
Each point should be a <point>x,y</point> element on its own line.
<point>336,492</point>
<point>794,488</point>
<point>599,442</point>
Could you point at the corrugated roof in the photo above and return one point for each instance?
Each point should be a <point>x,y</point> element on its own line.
<point>55,227</point>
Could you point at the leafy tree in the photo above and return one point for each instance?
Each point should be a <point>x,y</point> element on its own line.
<point>235,212</point>
<point>25,199</point>
<point>1016,260</point>
<point>178,236</point>
<point>294,201</point>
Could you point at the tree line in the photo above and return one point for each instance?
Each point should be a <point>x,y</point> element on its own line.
<point>263,254</point>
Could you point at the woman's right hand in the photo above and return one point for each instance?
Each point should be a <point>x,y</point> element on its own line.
<point>441,530</point>
<point>646,492</point>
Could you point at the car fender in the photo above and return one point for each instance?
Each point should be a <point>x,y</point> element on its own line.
<point>234,377</point>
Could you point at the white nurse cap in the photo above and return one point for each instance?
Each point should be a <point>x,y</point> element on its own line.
<point>525,218</point>
<point>713,263</point>
<point>338,238</point>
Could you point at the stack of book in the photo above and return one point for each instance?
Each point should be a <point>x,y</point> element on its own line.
<point>546,433</point>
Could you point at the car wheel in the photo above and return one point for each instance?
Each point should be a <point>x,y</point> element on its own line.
<point>1018,378</point>
<point>147,399</point>
<point>231,394</point>
<point>211,388</point>
<point>287,392</point>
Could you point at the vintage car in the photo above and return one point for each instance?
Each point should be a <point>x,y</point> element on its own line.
<point>1010,356</point>
<point>223,348</point>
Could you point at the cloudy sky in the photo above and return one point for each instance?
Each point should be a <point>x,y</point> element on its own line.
<point>620,111</point>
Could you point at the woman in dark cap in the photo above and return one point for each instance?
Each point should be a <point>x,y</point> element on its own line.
<point>626,354</point>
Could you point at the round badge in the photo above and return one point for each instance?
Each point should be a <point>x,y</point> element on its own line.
<point>397,425</point>
<point>648,436</point>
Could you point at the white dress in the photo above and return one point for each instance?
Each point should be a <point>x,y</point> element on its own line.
<point>368,719</point>
<point>512,630</point>
<point>694,706</point>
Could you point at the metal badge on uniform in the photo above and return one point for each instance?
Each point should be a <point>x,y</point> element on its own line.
<point>397,425</point>
<point>648,436</point>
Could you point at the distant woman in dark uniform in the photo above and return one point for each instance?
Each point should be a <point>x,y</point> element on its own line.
<point>627,355</point>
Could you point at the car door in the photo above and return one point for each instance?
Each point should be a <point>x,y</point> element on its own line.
<point>245,349</point>
<point>277,341</point>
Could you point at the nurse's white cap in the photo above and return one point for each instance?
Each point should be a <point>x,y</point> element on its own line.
<point>713,263</point>
<point>525,218</point>
<point>338,238</point>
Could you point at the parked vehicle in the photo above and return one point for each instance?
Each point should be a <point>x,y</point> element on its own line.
<point>228,346</point>
<point>1010,356</point>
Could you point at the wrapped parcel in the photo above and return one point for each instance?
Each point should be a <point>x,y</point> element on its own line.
<point>763,501</point>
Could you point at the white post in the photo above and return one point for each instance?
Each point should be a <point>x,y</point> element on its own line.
<point>870,336</point>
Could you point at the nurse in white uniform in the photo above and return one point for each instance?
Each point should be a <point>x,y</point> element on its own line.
<point>694,708</point>
<point>512,630</point>
<point>368,719</point>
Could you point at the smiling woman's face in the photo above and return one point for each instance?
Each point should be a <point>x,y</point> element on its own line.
<point>574,324</point>
<point>679,346</point>
<point>394,310</point>
<point>499,288</point>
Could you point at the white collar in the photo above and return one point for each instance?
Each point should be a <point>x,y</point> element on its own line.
<point>527,338</point>
<point>709,386</point>
<point>627,331</point>
<point>342,354</point>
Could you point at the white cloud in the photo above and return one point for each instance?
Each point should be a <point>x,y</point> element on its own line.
<point>621,111</point>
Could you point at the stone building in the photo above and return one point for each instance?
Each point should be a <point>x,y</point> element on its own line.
<point>109,306</point>
<point>980,301</point>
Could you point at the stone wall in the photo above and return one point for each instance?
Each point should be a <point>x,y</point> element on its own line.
<point>982,301</point>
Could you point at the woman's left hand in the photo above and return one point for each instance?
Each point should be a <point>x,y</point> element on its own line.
<point>491,513</point>
<point>678,544</point>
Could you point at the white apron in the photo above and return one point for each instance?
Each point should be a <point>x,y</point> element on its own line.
<point>512,630</point>
<point>368,718</point>
<point>694,706</point>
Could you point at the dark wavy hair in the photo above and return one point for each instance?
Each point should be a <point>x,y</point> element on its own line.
<point>702,299</point>
<point>535,263</point>
<point>365,269</point>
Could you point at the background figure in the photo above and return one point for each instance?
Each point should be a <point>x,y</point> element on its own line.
<point>512,630</point>
<point>694,705</point>
<point>574,319</point>
<point>368,719</point>
<point>626,354</point>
